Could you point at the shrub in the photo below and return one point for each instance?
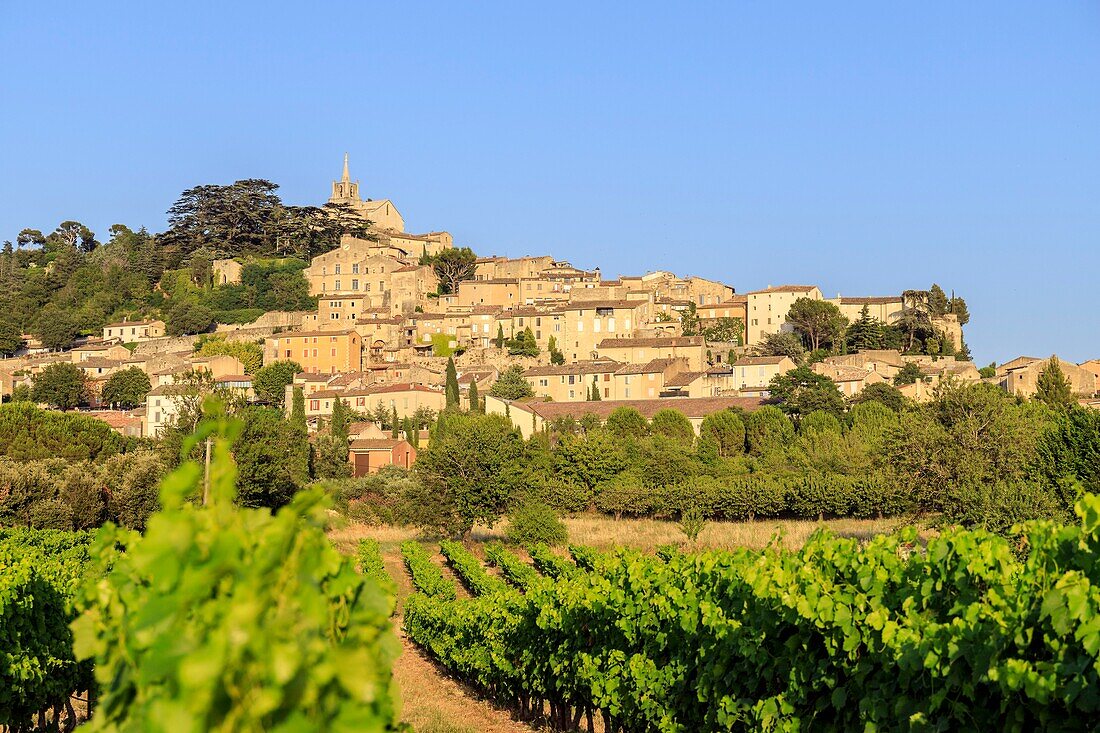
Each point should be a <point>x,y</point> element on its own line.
<point>692,522</point>
<point>624,494</point>
<point>563,496</point>
<point>749,497</point>
<point>768,429</point>
<point>134,497</point>
<point>535,523</point>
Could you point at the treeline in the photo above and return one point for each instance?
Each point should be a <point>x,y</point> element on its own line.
<point>69,282</point>
<point>974,456</point>
<point>820,329</point>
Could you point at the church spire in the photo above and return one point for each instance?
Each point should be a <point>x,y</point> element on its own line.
<point>347,177</point>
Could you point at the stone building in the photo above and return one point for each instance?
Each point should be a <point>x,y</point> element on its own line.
<point>767,309</point>
<point>382,212</point>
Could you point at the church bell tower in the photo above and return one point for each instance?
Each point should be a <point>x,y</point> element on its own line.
<point>345,191</point>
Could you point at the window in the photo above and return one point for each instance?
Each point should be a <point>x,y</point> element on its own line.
<point>337,269</point>
<point>315,405</point>
<point>355,284</point>
<point>596,326</point>
<point>571,379</point>
<point>543,383</point>
<point>606,392</point>
<point>337,284</point>
<point>571,394</point>
<point>355,269</point>
<point>288,353</point>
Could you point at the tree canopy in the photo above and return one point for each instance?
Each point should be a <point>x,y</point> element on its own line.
<point>819,322</point>
<point>511,385</point>
<point>61,385</point>
<point>126,388</point>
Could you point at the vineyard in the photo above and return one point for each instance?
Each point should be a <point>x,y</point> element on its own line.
<point>225,618</point>
<point>971,632</point>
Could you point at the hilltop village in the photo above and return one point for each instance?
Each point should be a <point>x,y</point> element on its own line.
<point>534,338</point>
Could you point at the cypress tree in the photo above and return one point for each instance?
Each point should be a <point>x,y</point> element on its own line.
<point>452,383</point>
<point>1052,387</point>
<point>475,406</point>
<point>339,426</point>
<point>298,410</point>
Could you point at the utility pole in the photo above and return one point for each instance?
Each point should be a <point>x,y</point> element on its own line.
<point>206,476</point>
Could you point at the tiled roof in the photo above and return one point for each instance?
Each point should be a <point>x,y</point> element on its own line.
<point>683,379</point>
<point>581,367</point>
<point>759,360</point>
<point>654,342</point>
<point>650,367</point>
<point>589,304</point>
<point>784,289</point>
<point>871,300</point>
<point>132,323</point>
<point>375,444</point>
<point>310,334</point>
<point>689,406</point>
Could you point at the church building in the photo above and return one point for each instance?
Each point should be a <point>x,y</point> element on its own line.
<point>382,212</point>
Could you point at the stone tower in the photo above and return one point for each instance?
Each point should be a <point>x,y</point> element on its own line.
<point>345,191</point>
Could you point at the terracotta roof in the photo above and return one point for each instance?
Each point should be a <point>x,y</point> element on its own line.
<point>759,360</point>
<point>387,388</point>
<point>298,334</point>
<point>114,418</point>
<point>311,377</point>
<point>784,289</point>
<point>654,342</point>
<point>689,406</point>
<point>375,444</point>
<point>589,304</point>
<point>234,378</point>
<point>598,366</point>
<point>99,362</point>
<point>871,300</point>
<point>735,300</point>
<point>650,367</point>
<point>132,323</point>
<point>683,379</point>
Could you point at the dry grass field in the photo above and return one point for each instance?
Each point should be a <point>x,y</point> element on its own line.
<point>603,532</point>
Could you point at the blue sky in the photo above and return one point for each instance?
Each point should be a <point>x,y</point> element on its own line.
<point>866,147</point>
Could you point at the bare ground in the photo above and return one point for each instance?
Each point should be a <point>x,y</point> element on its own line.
<point>432,701</point>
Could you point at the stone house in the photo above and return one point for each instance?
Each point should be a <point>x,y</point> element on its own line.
<point>133,331</point>
<point>768,308</point>
<point>753,374</point>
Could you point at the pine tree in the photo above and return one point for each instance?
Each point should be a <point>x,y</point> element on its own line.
<point>596,389</point>
<point>474,406</point>
<point>865,333</point>
<point>298,410</point>
<point>393,422</point>
<point>1052,387</point>
<point>452,383</point>
<point>937,300</point>
<point>499,340</point>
